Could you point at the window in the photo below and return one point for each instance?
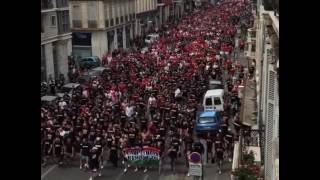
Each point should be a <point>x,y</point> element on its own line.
<point>42,23</point>
<point>53,20</point>
<point>63,20</point>
<point>117,20</point>
<point>208,120</point>
<point>46,4</point>
<point>121,19</point>
<point>253,48</point>
<point>107,23</point>
<point>217,101</point>
<point>111,22</point>
<point>43,64</point>
<point>76,13</point>
<point>208,102</point>
<point>62,3</point>
<point>92,14</point>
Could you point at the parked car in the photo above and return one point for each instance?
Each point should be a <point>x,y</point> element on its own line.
<point>68,88</point>
<point>215,84</point>
<point>90,75</point>
<point>48,100</point>
<point>151,38</point>
<point>208,121</point>
<point>89,62</point>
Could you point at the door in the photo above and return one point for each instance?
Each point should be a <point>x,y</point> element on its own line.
<point>218,104</point>
<point>208,104</point>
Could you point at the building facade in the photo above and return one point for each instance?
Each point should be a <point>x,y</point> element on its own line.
<point>100,26</point>
<point>56,44</point>
<point>146,17</point>
<point>267,77</point>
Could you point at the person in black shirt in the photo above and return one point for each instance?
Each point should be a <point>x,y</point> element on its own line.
<point>94,162</point>
<point>47,147</point>
<point>209,141</point>
<point>98,144</point>
<point>77,146</point>
<point>219,150</point>
<point>69,150</point>
<point>132,138</point>
<point>228,139</point>
<point>58,150</point>
<point>84,153</point>
<point>114,154</point>
<point>172,152</point>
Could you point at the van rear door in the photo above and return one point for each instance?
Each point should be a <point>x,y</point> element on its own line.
<point>208,104</point>
<point>218,103</point>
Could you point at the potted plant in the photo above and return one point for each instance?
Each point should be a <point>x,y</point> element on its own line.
<point>248,170</point>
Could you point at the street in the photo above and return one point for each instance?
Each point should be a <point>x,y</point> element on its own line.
<point>168,60</point>
<point>111,173</point>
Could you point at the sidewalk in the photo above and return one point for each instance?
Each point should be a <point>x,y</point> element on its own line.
<point>249,111</point>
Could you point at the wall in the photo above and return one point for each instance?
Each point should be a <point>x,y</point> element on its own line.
<point>62,56</point>
<point>99,43</point>
<point>49,31</point>
<point>49,60</point>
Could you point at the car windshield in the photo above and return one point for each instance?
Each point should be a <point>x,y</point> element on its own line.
<point>216,86</point>
<point>208,120</point>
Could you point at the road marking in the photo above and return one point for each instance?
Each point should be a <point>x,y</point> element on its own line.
<point>120,175</point>
<point>48,171</point>
<point>146,177</point>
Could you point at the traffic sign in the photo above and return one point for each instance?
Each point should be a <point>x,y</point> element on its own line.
<point>195,157</point>
<point>195,169</point>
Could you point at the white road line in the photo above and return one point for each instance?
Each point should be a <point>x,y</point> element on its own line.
<point>146,177</point>
<point>48,171</point>
<point>120,175</point>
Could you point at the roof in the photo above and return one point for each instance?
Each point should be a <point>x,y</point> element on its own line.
<point>99,69</point>
<point>208,114</point>
<point>71,85</point>
<point>214,92</point>
<point>214,82</point>
<point>48,98</point>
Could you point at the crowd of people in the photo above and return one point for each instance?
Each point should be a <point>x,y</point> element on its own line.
<point>152,98</point>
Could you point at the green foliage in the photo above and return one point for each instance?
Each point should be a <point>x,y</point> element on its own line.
<point>244,173</point>
<point>248,159</point>
<point>248,171</point>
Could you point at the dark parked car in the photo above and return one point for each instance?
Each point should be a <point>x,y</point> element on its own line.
<point>89,62</point>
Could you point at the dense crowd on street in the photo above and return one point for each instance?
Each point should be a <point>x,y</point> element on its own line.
<point>152,98</point>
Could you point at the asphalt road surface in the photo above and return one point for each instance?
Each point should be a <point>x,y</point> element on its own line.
<point>54,172</point>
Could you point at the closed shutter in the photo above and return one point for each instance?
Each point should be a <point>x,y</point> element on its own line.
<point>271,121</point>
<point>271,85</point>
<point>269,134</point>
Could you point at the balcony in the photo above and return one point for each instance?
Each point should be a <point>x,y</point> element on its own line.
<point>92,24</point>
<point>250,141</point>
<point>77,23</point>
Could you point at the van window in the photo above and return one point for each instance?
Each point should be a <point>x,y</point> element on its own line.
<point>217,101</point>
<point>208,101</point>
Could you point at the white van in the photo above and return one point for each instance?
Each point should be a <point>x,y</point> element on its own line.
<point>213,100</point>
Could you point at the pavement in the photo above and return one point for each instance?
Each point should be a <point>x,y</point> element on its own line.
<point>54,172</point>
